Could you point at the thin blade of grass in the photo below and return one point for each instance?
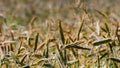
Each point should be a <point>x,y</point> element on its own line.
<point>61,32</point>
<point>103,29</point>
<point>41,46</point>
<point>29,41</point>
<point>96,43</point>
<point>111,48</point>
<point>103,55</point>
<point>59,61</point>
<point>22,60</point>
<point>11,47</point>
<point>107,28</point>
<point>74,53</point>
<point>98,62</point>
<point>65,57</point>
<point>36,42</point>
<point>31,23</point>
<point>102,13</point>
<point>80,29</point>
<point>75,46</point>
<point>60,52</point>
<point>115,60</point>
<point>47,49</point>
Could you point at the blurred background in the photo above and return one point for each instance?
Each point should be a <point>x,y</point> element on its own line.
<point>23,10</point>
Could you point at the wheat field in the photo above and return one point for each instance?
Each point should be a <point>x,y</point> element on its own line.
<point>59,34</point>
